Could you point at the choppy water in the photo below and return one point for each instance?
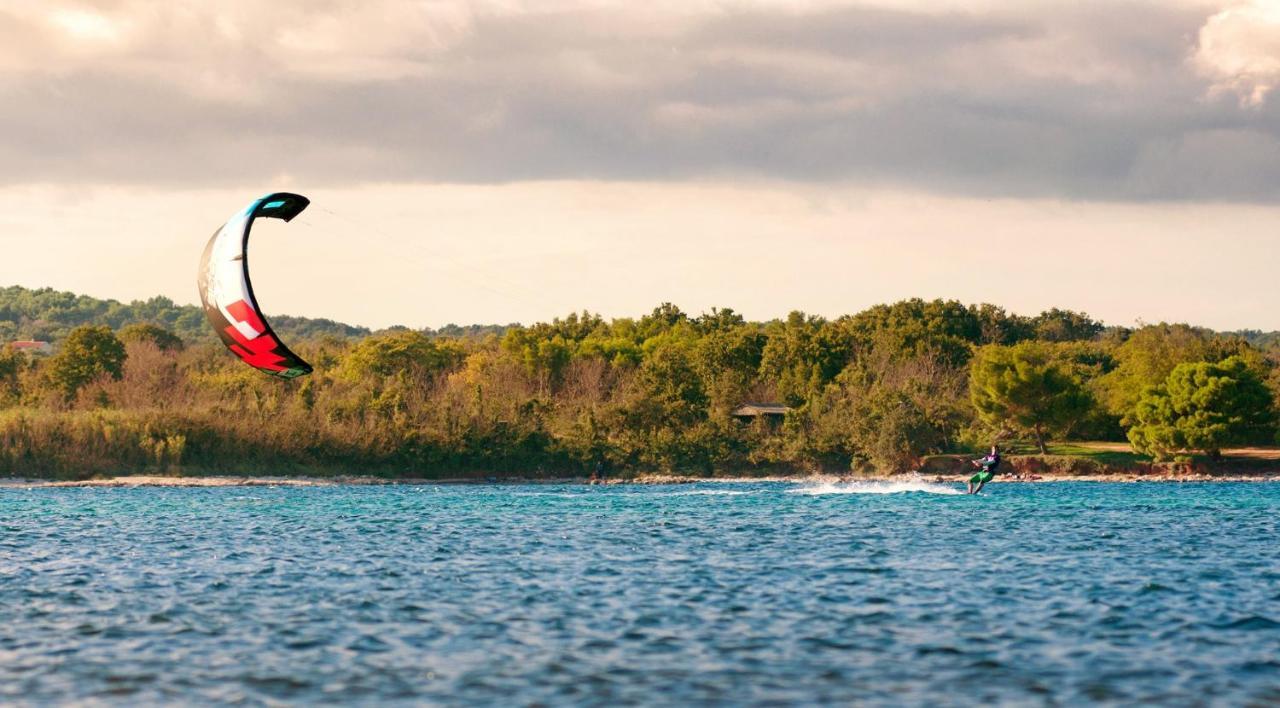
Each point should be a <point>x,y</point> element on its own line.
<point>702,594</point>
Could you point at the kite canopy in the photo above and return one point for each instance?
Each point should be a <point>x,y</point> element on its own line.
<point>227,293</point>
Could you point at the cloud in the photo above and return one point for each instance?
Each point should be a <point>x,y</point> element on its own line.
<point>1240,50</point>
<point>1093,100</point>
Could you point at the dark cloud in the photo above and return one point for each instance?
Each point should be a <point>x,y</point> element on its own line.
<point>1096,101</point>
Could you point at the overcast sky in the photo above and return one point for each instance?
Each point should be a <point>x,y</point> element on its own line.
<point>511,161</point>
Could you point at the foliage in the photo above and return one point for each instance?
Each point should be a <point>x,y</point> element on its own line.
<point>1203,406</point>
<point>88,353</point>
<point>1065,326</point>
<point>50,315</point>
<point>406,352</point>
<point>876,389</point>
<point>890,408</point>
<point>12,364</point>
<point>1150,353</point>
<point>161,338</point>
<point>802,354</point>
<point>1027,387</point>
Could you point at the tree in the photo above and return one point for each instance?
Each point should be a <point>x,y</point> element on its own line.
<point>12,363</point>
<point>803,354</point>
<point>728,359</point>
<point>545,354</point>
<point>945,328</point>
<point>1203,406</point>
<point>663,318</point>
<point>1028,388</point>
<point>999,327</point>
<point>1065,326</point>
<point>663,413</point>
<point>719,320</point>
<point>668,379</point>
<point>48,314</point>
<point>88,353</point>
<point>1150,353</point>
<point>890,409</point>
<point>163,339</point>
<point>405,352</point>
<point>891,430</point>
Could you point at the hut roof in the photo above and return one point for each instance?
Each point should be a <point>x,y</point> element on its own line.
<point>753,410</point>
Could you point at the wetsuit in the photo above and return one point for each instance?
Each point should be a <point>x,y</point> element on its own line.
<point>989,465</point>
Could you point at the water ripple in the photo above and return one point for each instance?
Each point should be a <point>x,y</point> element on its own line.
<point>743,594</point>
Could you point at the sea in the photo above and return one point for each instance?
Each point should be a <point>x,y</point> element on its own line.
<point>716,594</point>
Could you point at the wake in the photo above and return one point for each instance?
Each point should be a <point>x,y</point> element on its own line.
<point>918,486</point>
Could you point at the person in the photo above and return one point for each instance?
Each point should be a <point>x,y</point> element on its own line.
<point>987,469</point>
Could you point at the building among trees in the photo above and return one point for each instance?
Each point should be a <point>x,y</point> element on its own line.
<point>772,412</point>
<point>31,347</point>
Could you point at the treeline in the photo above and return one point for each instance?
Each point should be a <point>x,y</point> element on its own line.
<point>877,389</point>
<point>49,315</point>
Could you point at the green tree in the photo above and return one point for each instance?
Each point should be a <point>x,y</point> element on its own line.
<point>669,379</point>
<point>891,430</point>
<point>163,339</point>
<point>728,358</point>
<point>1028,388</point>
<point>663,413</point>
<point>48,314</point>
<point>889,408</point>
<point>1203,406</point>
<point>719,320</point>
<point>1065,326</point>
<point>663,318</point>
<point>547,349</point>
<point>803,354</point>
<point>88,353</point>
<point>1150,353</point>
<point>544,353</point>
<point>999,327</point>
<point>399,353</point>
<point>942,328</point>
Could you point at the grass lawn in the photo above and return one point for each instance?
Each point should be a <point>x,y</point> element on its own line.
<point>1117,453</point>
<point>1106,453</point>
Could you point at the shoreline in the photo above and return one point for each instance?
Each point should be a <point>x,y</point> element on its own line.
<point>135,481</point>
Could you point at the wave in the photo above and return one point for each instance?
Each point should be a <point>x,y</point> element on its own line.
<point>919,486</point>
<point>708,492</point>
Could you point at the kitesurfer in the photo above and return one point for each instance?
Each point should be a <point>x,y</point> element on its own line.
<point>986,470</point>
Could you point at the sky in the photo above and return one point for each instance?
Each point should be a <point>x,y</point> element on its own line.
<point>493,162</point>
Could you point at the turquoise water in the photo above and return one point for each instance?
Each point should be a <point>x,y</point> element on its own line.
<point>735,594</point>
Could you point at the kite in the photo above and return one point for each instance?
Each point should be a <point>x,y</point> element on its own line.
<point>227,293</point>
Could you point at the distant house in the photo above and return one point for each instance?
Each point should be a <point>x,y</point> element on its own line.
<point>32,347</point>
<point>771,412</point>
